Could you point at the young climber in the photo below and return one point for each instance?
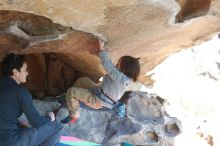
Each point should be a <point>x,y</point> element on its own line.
<point>114,84</point>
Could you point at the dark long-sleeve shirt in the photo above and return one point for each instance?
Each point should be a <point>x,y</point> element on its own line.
<point>15,100</point>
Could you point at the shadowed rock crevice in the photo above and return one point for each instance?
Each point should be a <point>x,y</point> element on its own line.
<point>171,130</point>
<point>151,137</point>
<point>192,8</point>
<point>50,75</point>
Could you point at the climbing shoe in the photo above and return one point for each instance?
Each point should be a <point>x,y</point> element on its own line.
<point>69,120</point>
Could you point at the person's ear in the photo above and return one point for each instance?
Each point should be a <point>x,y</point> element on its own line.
<point>14,71</point>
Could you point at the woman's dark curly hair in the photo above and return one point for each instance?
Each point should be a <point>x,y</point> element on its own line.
<point>10,62</point>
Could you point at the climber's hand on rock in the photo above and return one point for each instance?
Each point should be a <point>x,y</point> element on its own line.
<point>101,45</point>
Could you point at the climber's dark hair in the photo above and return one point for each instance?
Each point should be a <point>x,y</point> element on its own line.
<point>130,66</point>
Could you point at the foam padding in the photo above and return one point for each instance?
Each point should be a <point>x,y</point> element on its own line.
<point>72,141</point>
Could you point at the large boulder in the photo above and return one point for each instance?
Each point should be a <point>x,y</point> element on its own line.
<point>146,123</point>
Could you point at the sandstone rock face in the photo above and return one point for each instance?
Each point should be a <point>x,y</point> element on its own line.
<point>147,122</point>
<point>56,55</point>
<point>190,9</point>
<point>141,28</point>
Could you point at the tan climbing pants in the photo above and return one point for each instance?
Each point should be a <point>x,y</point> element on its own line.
<point>80,91</point>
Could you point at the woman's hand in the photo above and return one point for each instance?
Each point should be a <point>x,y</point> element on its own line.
<point>24,124</point>
<point>51,115</point>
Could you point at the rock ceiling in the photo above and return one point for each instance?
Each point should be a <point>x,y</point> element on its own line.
<point>150,29</point>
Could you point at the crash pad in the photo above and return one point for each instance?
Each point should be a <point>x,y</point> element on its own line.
<point>73,141</point>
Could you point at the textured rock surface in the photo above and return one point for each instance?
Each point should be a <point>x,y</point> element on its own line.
<point>37,82</point>
<point>190,9</point>
<point>56,55</point>
<point>147,123</point>
<point>142,28</point>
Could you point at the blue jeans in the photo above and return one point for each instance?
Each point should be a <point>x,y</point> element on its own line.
<point>46,135</point>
